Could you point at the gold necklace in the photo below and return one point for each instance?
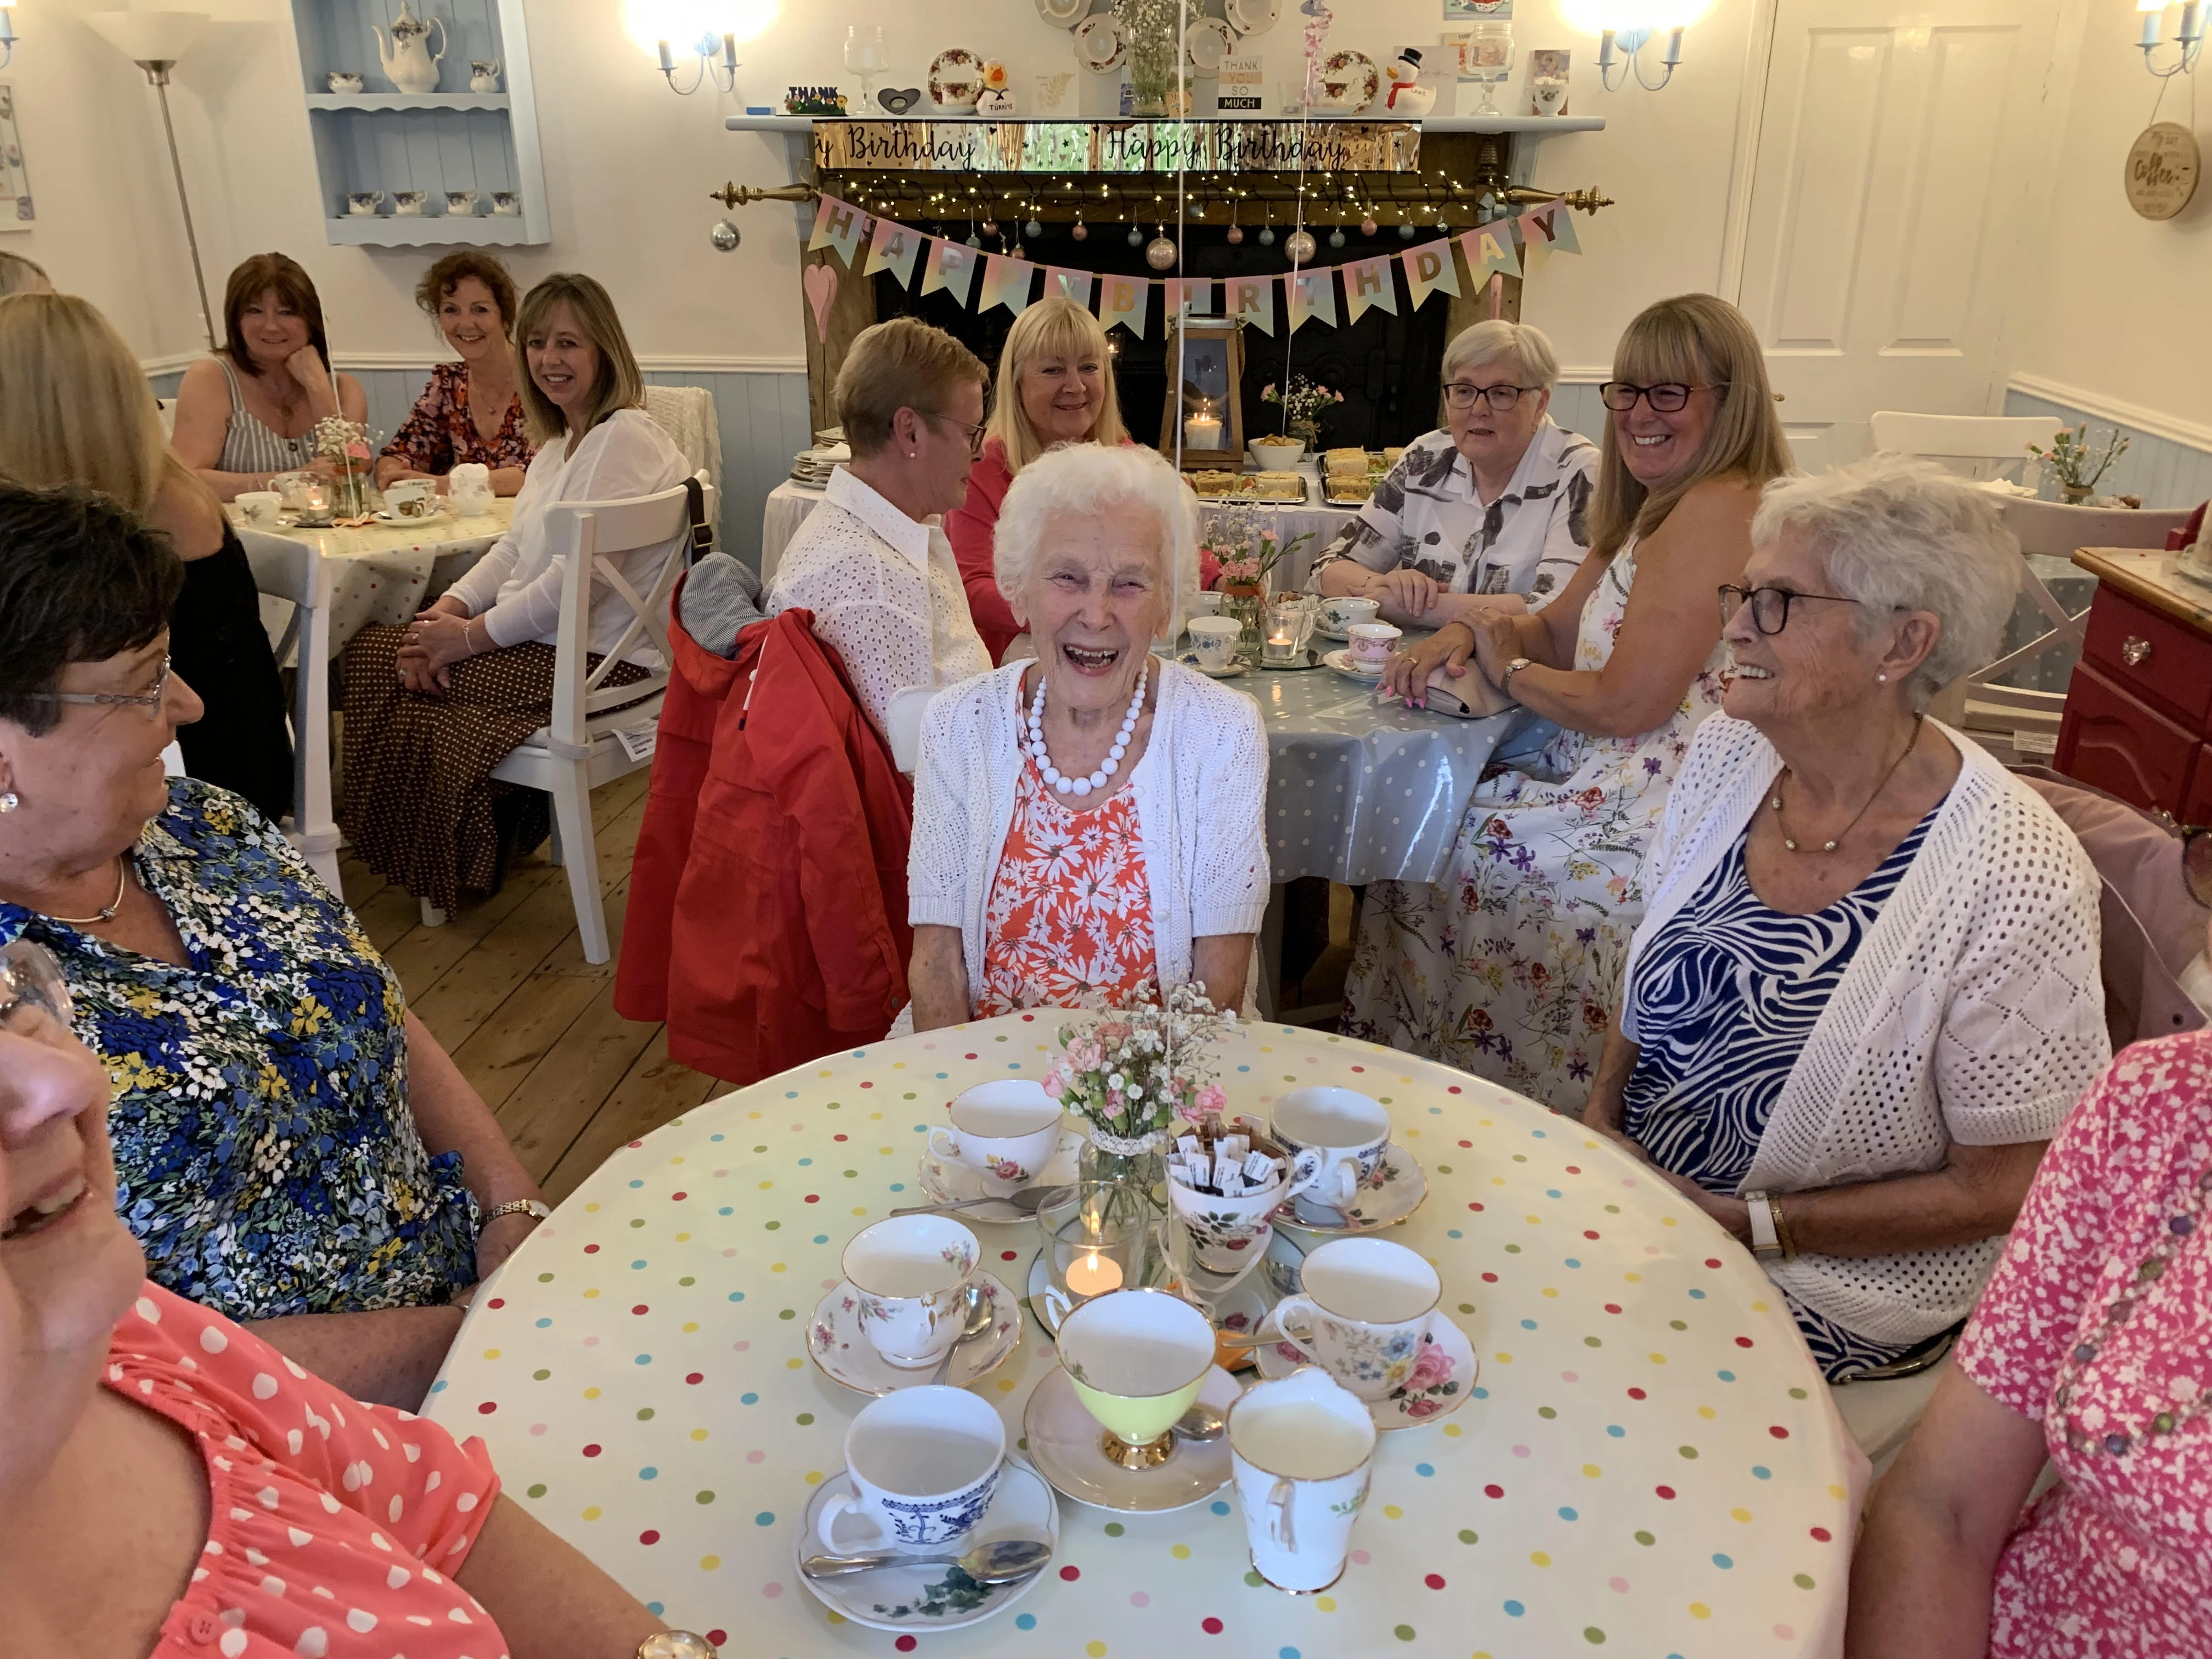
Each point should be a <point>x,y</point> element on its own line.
<point>122,881</point>
<point>1774,800</point>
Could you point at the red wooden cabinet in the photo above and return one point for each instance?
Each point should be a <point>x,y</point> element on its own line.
<point>2139,709</point>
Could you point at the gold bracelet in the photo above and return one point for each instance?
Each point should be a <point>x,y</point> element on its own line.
<point>1782,1229</point>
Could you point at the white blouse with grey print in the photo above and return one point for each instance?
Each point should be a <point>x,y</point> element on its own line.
<point>1424,514</point>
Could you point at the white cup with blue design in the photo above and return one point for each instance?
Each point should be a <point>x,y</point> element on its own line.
<point>923,1464</point>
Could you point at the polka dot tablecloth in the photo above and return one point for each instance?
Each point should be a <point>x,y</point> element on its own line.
<point>1649,1464</point>
<point>386,573</point>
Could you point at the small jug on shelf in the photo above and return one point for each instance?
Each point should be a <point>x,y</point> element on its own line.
<point>484,76</point>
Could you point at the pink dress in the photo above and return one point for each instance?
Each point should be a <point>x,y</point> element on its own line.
<point>2115,1561</point>
<point>1070,921</point>
<point>333,1527</point>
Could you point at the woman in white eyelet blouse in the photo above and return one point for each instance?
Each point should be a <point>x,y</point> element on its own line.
<point>1089,822</point>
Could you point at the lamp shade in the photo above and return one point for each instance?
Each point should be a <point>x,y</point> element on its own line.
<point>150,36</point>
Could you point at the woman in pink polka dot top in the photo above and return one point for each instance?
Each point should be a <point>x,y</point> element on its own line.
<point>171,1484</point>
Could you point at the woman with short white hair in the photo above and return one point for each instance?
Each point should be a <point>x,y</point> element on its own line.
<point>1493,503</point>
<point>1866,991</point>
<point>1091,821</point>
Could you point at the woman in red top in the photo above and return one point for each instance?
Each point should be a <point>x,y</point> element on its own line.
<point>170,1484</point>
<point>471,410</point>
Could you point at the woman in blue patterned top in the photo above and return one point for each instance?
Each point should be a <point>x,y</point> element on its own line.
<point>292,1146</point>
<point>1866,992</point>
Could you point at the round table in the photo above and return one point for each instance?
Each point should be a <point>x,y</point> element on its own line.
<point>1649,1464</point>
<point>386,573</point>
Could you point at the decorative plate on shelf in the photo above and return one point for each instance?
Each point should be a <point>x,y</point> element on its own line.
<point>1208,42</point>
<point>1349,82</point>
<point>1099,46</point>
<point>1252,16</point>
<point>956,76</point>
<point>1062,14</point>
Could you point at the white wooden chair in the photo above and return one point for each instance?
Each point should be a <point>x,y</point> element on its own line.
<point>577,749</point>
<point>287,570</point>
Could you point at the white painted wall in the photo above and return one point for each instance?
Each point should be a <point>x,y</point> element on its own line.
<point>2116,327</point>
<point>628,166</point>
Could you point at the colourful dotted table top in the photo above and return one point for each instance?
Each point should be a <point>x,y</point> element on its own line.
<point>1650,1465</point>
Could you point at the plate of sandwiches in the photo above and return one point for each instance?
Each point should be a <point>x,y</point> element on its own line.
<point>1281,489</point>
<point>1348,488</point>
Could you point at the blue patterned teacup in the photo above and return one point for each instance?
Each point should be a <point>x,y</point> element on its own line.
<point>924,1466</point>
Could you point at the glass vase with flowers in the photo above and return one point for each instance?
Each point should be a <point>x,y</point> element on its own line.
<point>345,444</point>
<point>1249,551</point>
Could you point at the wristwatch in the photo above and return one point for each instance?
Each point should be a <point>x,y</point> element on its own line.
<point>1765,1241</point>
<point>536,1209</point>
<point>1505,680</point>
<point>677,1644</point>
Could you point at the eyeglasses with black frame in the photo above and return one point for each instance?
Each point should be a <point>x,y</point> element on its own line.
<point>1668,397</point>
<point>1770,607</point>
<point>1461,395</point>
<point>2196,862</point>
<point>149,698</point>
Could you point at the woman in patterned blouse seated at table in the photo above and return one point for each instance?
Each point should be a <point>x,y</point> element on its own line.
<point>295,1148</point>
<point>1092,820</point>
<point>171,1484</point>
<point>1496,503</point>
<point>472,410</point>
<point>1866,992</point>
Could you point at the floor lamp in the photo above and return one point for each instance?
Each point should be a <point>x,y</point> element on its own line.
<point>154,40</point>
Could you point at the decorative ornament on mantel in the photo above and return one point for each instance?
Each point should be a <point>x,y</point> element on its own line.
<point>1160,252</point>
<point>1136,237</point>
<point>1081,232</point>
<point>1300,245</point>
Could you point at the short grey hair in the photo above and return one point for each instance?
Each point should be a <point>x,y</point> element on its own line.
<point>1528,347</point>
<point>1899,534</point>
<point>1088,479</point>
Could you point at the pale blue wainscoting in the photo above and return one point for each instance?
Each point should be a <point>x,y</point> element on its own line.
<point>1575,406</point>
<point>2163,472</point>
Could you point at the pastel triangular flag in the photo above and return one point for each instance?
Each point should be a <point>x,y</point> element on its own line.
<point>1429,269</point>
<point>1489,248</point>
<point>1006,283</point>
<point>1252,299</point>
<point>1124,300</point>
<point>1076,285</point>
<point>951,266</point>
<point>1367,285</point>
<point>1555,220</point>
<point>837,224</point>
<point>895,248</point>
<point>1189,297</point>
<point>1310,293</point>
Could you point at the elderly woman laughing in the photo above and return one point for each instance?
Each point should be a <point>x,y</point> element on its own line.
<point>1866,992</point>
<point>1089,822</point>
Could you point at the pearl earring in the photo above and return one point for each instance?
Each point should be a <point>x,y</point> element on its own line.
<point>1881,679</point>
<point>9,802</point>
<point>913,454</point>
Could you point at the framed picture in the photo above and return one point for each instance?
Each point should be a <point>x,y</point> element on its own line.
<point>15,210</point>
<point>1464,11</point>
<point>1547,80</point>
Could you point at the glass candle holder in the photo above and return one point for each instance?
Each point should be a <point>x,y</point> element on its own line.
<point>1099,1237</point>
<point>315,502</point>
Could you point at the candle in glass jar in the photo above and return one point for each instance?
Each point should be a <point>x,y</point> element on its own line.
<point>1280,647</point>
<point>1094,1274</point>
<point>1203,429</point>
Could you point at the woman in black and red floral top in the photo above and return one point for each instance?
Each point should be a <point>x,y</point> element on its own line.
<point>469,411</point>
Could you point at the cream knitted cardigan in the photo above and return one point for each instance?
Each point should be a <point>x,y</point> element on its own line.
<point>1201,794</point>
<point>1973,1011</point>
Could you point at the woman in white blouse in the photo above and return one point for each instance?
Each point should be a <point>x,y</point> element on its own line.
<point>1090,821</point>
<point>1866,992</point>
<point>432,707</point>
<point>871,563</point>
<point>1493,503</point>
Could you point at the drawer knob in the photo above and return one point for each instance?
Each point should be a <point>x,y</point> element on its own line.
<point>2135,651</point>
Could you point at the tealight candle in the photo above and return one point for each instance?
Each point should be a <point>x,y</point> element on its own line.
<point>1280,647</point>
<point>1201,432</point>
<point>1094,1274</point>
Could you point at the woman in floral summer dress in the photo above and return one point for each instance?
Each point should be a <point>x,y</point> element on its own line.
<point>1510,966</point>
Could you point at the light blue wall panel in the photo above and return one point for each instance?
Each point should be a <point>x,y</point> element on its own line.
<point>2163,472</point>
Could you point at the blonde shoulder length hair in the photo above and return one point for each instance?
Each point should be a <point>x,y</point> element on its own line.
<point>78,409</point>
<point>1056,327</point>
<point>1692,339</point>
<point>620,384</point>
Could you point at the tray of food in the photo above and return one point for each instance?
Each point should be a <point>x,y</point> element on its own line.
<point>1214,484</point>
<point>1279,489</point>
<point>1348,490</point>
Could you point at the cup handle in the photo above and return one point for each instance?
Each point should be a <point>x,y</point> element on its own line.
<point>1056,1304</point>
<point>1300,1303</point>
<point>1282,1501</point>
<point>950,1149</point>
<point>825,1525</point>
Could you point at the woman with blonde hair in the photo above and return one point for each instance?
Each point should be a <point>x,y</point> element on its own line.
<point>433,707</point>
<point>22,275</point>
<point>1055,386</point>
<point>1510,967</point>
<point>78,410</point>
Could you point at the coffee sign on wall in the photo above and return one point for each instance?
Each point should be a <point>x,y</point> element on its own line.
<point>2161,171</point>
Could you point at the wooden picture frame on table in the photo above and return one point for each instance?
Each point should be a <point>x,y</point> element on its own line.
<point>1206,396</point>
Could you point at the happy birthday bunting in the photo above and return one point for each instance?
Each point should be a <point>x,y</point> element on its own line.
<point>837,225</point>
<point>1252,299</point>
<point>1124,300</point>
<point>1076,285</point>
<point>1555,221</point>
<point>951,266</point>
<point>1310,293</point>
<point>1367,286</point>
<point>894,248</point>
<point>1189,297</point>
<point>1490,248</point>
<point>1006,283</point>
<point>1431,269</point>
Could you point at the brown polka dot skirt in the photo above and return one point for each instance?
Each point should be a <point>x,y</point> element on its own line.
<point>420,799</point>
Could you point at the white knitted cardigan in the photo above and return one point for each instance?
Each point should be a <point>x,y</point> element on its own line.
<point>1973,1011</point>
<point>1201,795</point>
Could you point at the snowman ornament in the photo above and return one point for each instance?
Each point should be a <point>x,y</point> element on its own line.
<point>1407,98</point>
<point>995,98</point>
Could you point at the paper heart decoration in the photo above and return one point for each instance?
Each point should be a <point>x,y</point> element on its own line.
<point>821,284</point>
<point>898,100</point>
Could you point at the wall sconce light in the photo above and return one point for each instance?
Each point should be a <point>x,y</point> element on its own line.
<point>1630,42</point>
<point>707,49</point>
<point>2190,37</point>
<point>7,34</point>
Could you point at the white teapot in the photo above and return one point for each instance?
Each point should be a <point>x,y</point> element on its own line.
<point>407,61</point>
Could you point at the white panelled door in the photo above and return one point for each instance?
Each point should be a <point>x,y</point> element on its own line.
<point>1893,207</point>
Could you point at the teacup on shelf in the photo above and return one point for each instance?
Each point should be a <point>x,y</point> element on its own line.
<point>460,204</point>
<point>345,82</point>
<point>363,203</point>
<point>407,204</point>
<point>506,203</point>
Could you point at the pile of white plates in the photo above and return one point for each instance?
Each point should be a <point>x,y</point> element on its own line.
<point>813,466</point>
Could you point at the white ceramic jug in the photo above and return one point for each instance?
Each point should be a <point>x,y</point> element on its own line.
<point>407,61</point>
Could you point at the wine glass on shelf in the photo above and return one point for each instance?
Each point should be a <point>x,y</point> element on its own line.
<point>866,57</point>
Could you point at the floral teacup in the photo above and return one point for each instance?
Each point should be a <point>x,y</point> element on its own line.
<point>912,1273</point>
<point>1366,1307</point>
<point>1005,1132</point>
<point>1226,1233</point>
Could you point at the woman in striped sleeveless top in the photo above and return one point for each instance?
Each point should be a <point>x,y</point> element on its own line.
<point>249,413</point>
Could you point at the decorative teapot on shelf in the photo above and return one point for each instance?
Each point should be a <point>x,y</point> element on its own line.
<point>407,61</point>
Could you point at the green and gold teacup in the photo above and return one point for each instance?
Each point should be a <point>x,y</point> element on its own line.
<point>1137,1358</point>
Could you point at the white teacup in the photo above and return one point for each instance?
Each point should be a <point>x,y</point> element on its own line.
<point>363,203</point>
<point>344,80</point>
<point>1226,1234</point>
<point>259,508</point>
<point>468,488</point>
<point>1366,1305</point>
<point>1336,1138</point>
<point>1548,96</point>
<point>1303,1448</point>
<point>506,203</point>
<point>412,498</point>
<point>1372,642</point>
<point>924,1464</point>
<point>407,204</point>
<point>460,204</point>
<point>1214,638</point>
<point>1005,1132</point>
<point>912,1273</point>
<point>1339,615</point>
<point>1206,603</point>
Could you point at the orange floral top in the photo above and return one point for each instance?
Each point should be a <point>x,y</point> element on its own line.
<point>1069,924</point>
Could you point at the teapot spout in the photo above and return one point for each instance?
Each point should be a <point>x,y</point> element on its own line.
<point>383,49</point>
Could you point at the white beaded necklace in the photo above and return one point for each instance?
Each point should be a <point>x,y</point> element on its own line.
<point>1107,768</point>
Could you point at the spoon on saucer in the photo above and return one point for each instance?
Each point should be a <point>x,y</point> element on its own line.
<point>1000,1562</point>
<point>1202,1422</point>
<point>980,1315</point>
<point>1027,1199</point>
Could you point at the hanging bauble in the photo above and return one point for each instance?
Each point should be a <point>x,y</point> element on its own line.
<point>1034,229</point>
<point>1368,227</point>
<point>1136,237</point>
<point>1266,236</point>
<point>1299,244</point>
<point>1236,234</point>
<point>1081,232</point>
<point>724,236</point>
<point>1406,231</point>
<point>1020,252</point>
<point>974,240</point>
<point>1336,237</point>
<point>990,227</point>
<point>1160,252</point>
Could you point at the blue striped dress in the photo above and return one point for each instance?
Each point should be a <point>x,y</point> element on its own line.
<point>1726,993</point>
